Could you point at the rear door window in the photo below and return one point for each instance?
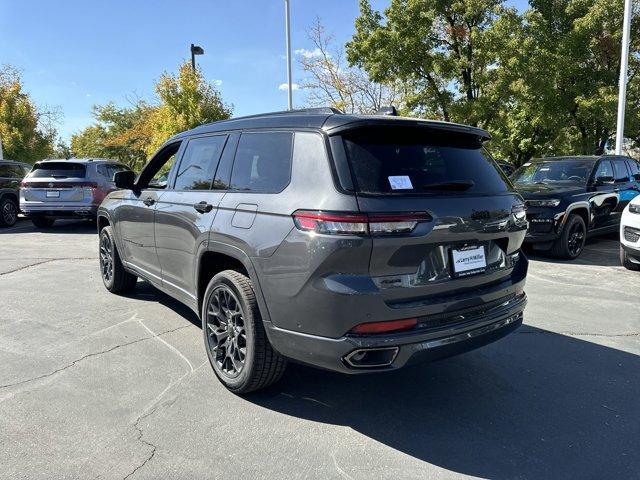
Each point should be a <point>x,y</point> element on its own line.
<point>263,162</point>
<point>199,162</point>
<point>633,167</point>
<point>621,174</point>
<point>392,160</point>
<point>5,171</point>
<point>58,170</point>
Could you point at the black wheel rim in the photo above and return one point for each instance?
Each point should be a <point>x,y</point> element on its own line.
<point>575,240</point>
<point>9,213</point>
<point>106,258</point>
<point>226,334</point>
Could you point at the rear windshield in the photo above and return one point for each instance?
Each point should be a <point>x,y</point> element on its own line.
<point>391,160</point>
<point>58,170</point>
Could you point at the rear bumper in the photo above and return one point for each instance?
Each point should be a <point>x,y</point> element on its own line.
<point>75,209</point>
<point>398,350</point>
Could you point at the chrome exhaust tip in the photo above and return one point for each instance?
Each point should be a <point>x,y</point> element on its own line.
<point>372,357</point>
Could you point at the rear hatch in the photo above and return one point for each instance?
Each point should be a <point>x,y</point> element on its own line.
<point>459,223</point>
<point>57,182</point>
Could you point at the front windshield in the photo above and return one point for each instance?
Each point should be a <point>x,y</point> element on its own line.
<point>566,172</point>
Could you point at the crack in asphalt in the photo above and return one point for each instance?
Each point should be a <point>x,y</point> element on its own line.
<point>49,260</point>
<point>89,355</point>
<point>154,448</point>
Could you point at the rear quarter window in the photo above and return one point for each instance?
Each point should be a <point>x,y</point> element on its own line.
<point>262,162</point>
<point>392,160</point>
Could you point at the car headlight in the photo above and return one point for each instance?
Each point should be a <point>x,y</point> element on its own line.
<point>552,202</point>
<point>634,208</point>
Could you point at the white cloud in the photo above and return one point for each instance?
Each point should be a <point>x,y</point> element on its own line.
<point>284,87</point>
<point>303,52</point>
<point>87,94</point>
<point>216,81</point>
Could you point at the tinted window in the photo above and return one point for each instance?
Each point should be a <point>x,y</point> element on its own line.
<point>199,162</point>
<point>621,173</point>
<point>390,160</point>
<point>16,171</point>
<point>5,171</point>
<point>58,170</point>
<point>604,169</point>
<point>108,170</point>
<point>570,171</point>
<point>262,162</point>
<point>633,167</point>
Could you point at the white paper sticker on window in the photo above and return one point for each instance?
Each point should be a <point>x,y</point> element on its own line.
<point>400,182</point>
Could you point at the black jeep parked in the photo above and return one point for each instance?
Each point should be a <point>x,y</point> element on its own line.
<point>11,173</point>
<point>570,198</point>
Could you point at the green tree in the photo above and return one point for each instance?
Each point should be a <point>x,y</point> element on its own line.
<point>131,134</point>
<point>440,48</point>
<point>26,131</point>
<point>122,133</point>
<point>186,101</point>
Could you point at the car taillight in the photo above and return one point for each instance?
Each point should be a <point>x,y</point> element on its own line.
<point>385,327</point>
<point>337,223</point>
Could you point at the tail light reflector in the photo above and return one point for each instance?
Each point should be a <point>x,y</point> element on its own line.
<point>337,223</point>
<point>385,327</point>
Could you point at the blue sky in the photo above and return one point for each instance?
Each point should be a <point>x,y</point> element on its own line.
<point>74,54</point>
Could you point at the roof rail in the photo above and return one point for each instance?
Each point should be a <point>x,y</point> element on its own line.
<point>327,110</point>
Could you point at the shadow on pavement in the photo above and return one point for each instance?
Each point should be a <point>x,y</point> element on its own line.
<point>61,226</point>
<point>534,405</point>
<point>602,251</point>
<point>147,292</point>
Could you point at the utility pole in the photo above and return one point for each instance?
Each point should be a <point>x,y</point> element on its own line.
<point>1,155</point>
<point>624,61</point>
<point>288,29</point>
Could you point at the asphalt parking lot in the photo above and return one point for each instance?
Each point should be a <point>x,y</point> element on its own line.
<point>94,385</point>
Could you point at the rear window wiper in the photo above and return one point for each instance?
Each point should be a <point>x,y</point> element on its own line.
<point>457,186</point>
<point>59,176</point>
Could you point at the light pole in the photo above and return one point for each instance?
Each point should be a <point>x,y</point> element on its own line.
<point>624,61</point>
<point>195,50</point>
<point>288,30</point>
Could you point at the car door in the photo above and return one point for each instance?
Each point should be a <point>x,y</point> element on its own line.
<point>604,199</point>
<point>624,188</point>
<point>9,182</point>
<point>135,214</point>
<point>185,212</point>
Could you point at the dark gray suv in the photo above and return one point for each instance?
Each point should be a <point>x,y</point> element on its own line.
<point>352,243</point>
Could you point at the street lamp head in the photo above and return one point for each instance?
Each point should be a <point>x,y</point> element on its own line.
<point>197,50</point>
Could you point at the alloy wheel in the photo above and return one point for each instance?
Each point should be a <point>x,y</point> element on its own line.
<point>9,213</point>
<point>106,258</point>
<point>575,239</point>
<point>226,334</point>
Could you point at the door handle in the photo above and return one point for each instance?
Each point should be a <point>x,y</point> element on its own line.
<point>203,207</point>
<point>149,201</point>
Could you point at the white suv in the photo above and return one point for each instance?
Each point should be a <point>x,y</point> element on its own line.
<point>630,235</point>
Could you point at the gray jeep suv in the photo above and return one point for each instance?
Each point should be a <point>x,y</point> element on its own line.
<point>351,243</point>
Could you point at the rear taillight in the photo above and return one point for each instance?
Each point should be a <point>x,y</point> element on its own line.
<point>336,223</point>
<point>385,327</point>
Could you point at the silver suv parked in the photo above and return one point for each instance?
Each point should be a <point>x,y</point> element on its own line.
<point>352,243</point>
<point>67,188</point>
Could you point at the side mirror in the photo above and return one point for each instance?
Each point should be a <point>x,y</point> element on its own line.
<point>124,179</point>
<point>604,180</point>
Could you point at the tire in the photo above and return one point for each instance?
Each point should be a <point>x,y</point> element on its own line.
<point>569,246</point>
<point>115,278</point>
<point>626,261</point>
<point>8,212</point>
<point>230,295</point>
<point>43,222</point>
